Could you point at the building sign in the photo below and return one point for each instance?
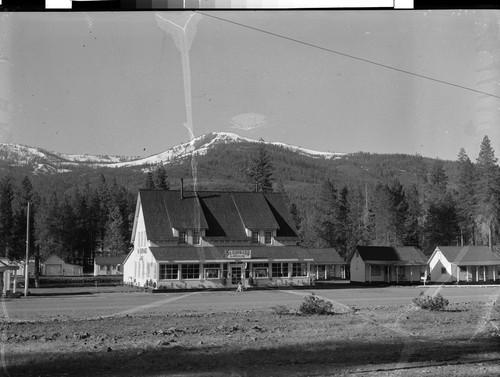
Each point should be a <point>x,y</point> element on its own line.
<point>142,250</point>
<point>238,254</point>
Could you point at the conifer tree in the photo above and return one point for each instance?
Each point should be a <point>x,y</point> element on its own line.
<point>487,191</point>
<point>6,217</point>
<point>261,170</point>
<point>150,182</point>
<point>160,179</point>
<point>466,197</point>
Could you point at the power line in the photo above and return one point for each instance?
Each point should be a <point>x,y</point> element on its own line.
<point>352,56</point>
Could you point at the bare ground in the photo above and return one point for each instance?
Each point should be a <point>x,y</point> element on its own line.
<point>463,340</point>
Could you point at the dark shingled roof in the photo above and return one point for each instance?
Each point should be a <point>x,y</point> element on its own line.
<point>397,255</point>
<point>469,255</point>
<point>109,260</point>
<point>209,254</point>
<point>224,215</point>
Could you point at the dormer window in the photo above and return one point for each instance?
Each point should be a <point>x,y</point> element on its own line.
<point>182,237</point>
<point>255,236</point>
<point>196,238</point>
<point>267,238</point>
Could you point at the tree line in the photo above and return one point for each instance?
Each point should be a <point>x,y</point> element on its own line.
<point>425,214</point>
<point>77,225</point>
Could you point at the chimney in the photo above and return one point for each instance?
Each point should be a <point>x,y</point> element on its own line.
<point>182,188</point>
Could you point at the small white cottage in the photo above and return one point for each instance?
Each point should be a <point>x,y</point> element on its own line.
<point>387,264</point>
<point>463,264</point>
<point>108,265</point>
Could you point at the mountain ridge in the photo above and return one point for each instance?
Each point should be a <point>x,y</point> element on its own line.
<point>44,161</point>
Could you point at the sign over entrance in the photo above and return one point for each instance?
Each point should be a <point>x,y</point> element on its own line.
<point>238,254</point>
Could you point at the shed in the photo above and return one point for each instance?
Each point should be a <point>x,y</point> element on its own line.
<point>55,266</point>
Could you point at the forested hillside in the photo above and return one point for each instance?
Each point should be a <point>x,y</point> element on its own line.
<point>361,198</point>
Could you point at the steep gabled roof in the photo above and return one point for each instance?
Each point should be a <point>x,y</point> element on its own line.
<point>468,255</point>
<point>395,255</point>
<point>254,211</point>
<point>281,212</point>
<point>224,215</point>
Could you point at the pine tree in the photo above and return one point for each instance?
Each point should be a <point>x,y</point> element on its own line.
<point>261,170</point>
<point>150,182</point>
<point>466,197</point>
<point>6,217</point>
<point>326,222</point>
<point>160,181</point>
<point>115,242</point>
<point>344,226</point>
<point>487,191</point>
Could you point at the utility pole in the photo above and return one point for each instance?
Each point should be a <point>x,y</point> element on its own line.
<point>26,267</point>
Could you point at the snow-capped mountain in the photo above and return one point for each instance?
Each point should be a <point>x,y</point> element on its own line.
<point>44,161</point>
<point>202,144</point>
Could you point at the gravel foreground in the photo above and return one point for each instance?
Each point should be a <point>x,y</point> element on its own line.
<point>463,340</point>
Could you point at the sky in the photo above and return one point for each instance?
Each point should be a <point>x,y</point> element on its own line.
<point>339,81</point>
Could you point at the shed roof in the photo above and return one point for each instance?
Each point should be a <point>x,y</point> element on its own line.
<point>394,255</point>
<point>109,260</point>
<point>469,255</point>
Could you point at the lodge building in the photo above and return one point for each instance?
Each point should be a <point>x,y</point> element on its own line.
<point>216,239</point>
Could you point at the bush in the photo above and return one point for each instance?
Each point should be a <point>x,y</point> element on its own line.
<point>436,302</point>
<point>280,309</point>
<point>315,305</point>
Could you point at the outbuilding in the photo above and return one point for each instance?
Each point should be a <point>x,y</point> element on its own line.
<point>463,264</point>
<point>8,278</point>
<point>109,265</point>
<point>210,239</point>
<point>387,264</point>
<point>56,266</point>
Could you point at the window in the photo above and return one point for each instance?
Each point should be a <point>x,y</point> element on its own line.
<point>182,237</point>
<point>376,270</point>
<point>279,270</point>
<point>255,236</point>
<point>267,238</point>
<point>260,270</point>
<point>190,271</point>
<point>443,270</point>
<point>211,270</point>
<point>196,238</point>
<point>168,271</point>
<point>463,268</point>
<point>299,269</point>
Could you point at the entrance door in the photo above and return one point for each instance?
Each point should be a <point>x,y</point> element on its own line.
<point>236,274</point>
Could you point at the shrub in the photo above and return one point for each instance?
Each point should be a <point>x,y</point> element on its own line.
<point>315,305</point>
<point>436,302</point>
<point>280,309</point>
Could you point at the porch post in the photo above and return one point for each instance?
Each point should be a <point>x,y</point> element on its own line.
<point>477,274</point>
<point>467,273</point>
<point>484,273</point>
<point>370,272</point>
<point>397,274</point>
<point>494,270</point>
<point>411,274</point>
<point>15,282</point>
<point>458,273</point>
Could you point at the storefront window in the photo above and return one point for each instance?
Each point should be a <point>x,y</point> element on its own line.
<point>168,271</point>
<point>260,270</point>
<point>279,270</point>
<point>299,269</point>
<point>190,271</point>
<point>211,270</point>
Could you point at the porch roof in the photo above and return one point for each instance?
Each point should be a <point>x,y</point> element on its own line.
<point>271,253</point>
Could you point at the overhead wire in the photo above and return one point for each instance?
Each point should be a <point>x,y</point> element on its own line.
<point>351,56</point>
